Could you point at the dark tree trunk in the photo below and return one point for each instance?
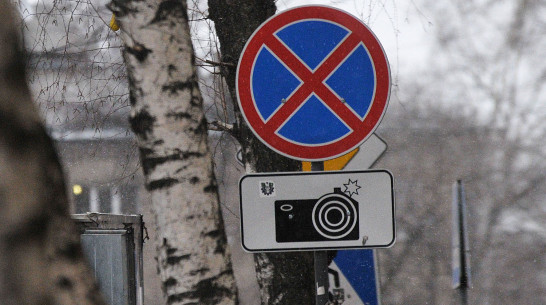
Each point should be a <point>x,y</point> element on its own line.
<point>284,278</point>
<point>41,261</point>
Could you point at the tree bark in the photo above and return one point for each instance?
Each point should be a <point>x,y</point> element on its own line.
<point>167,117</point>
<point>41,261</point>
<point>284,278</point>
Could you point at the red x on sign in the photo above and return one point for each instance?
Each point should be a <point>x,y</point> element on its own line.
<point>284,124</point>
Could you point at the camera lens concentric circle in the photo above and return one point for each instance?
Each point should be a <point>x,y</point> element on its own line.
<point>334,216</point>
<point>326,223</point>
<point>328,219</point>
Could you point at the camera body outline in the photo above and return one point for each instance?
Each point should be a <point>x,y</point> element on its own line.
<point>333,216</point>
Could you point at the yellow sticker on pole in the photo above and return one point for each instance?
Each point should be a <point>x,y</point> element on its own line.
<point>334,164</point>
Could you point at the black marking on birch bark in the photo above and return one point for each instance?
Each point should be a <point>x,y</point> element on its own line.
<point>191,154</point>
<point>214,233</point>
<point>173,260</point>
<point>176,86</point>
<point>194,180</point>
<point>169,283</point>
<point>161,183</point>
<point>171,69</point>
<point>132,99</point>
<point>202,128</point>
<point>211,188</point>
<point>139,51</point>
<point>144,152</point>
<point>142,123</point>
<point>206,291</point>
<point>150,163</point>
<point>169,250</point>
<point>195,100</point>
<point>179,297</point>
<point>221,244</point>
<point>166,9</point>
<point>134,89</point>
<point>181,169</point>
<point>199,271</point>
<point>178,115</point>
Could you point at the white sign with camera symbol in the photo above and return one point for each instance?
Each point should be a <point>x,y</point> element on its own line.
<point>317,210</point>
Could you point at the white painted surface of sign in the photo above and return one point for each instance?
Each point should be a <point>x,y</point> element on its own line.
<point>369,152</point>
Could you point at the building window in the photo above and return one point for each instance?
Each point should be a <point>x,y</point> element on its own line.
<point>110,198</point>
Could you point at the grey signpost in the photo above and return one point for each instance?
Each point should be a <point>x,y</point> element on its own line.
<point>321,260</point>
<point>460,245</point>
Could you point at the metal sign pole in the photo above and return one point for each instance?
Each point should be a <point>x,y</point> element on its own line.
<point>354,272</point>
<point>461,261</point>
<point>321,277</point>
<point>321,260</point>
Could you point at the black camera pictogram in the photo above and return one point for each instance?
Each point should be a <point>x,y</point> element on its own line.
<point>333,216</point>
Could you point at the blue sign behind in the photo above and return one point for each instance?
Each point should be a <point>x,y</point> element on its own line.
<point>359,268</point>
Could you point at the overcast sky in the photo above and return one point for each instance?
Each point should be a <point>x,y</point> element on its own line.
<point>401,26</point>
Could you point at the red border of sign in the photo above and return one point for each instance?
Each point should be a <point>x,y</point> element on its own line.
<point>336,148</point>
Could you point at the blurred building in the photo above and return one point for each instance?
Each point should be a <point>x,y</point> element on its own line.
<point>77,76</point>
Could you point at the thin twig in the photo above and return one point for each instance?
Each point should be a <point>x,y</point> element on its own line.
<point>221,126</point>
<point>219,63</point>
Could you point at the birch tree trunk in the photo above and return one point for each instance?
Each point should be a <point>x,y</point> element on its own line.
<point>41,261</point>
<point>167,116</point>
<point>284,278</point>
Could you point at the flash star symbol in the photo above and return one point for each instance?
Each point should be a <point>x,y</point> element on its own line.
<point>351,187</point>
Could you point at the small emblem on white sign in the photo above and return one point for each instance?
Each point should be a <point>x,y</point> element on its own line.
<point>267,189</point>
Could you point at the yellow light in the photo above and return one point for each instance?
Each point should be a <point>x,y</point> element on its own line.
<point>77,189</point>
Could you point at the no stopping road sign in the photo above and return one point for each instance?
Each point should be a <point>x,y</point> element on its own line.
<point>313,83</point>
